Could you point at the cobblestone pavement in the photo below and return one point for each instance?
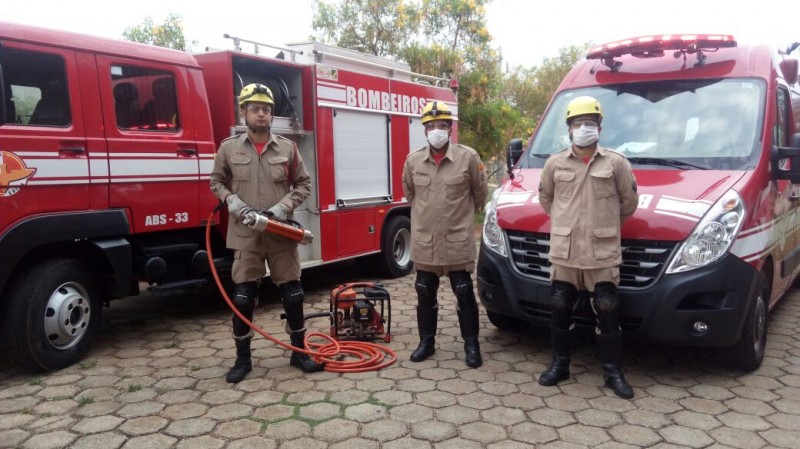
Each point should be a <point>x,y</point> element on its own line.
<point>154,379</point>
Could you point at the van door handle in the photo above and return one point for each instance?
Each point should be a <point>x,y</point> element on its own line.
<point>72,150</point>
<point>187,152</point>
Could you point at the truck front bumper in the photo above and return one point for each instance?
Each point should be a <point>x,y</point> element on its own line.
<point>664,312</point>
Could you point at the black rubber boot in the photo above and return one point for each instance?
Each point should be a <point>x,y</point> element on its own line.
<point>303,361</point>
<point>610,348</point>
<point>468,320</point>
<point>426,321</point>
<point>559,368</point>
<point>243,365</point>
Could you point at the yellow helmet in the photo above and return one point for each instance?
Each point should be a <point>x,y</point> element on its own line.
<point>583,106</point>
<point>436,110</point>
<point>256,92</point>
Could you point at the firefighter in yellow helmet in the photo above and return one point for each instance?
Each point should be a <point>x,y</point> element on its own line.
<point>258,170</point>
<point>588,191</point>
<point>445,183</point>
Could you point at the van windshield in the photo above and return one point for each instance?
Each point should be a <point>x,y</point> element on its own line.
<point>678,124</point>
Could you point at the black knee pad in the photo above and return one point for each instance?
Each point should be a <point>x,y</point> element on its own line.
<point>426,285</point>
<point>606,304</point>
<point>562,300</point>
<point>461,282</point>
<point>245,298</point>
<point>291,293</point>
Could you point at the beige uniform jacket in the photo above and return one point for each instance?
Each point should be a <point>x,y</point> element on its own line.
<point>587,204</point>
<point>444,199</point>
<point>278,175</point>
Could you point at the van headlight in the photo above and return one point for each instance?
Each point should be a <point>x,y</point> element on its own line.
<point>713,235</point>
<point>493,236</point>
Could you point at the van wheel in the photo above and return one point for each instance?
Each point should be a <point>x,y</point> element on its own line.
<point>394,259</point>
<point>506,323</point>
<point>53,315</point>
<point>749,352</point>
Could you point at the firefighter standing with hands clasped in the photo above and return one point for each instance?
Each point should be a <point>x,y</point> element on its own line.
<point>588,191</point>
<point>445,183</point>
<point>260,171</point>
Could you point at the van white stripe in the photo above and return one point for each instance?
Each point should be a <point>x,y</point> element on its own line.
<point>59,168</point>
<point>128,167</point>
<point>330,93</point>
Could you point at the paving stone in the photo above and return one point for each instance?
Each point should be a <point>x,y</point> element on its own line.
<point>335,430</point>
<point>156,441</point>
<point>503,416</point>
<point>203,442</point>
<point>144,425</point>
<point>287,430</point>
<point>406,443</point>
<point>598,418</point>
<point>105,440</point>
<point>744,422</point>
<point>384,430</point>
<point>737,438</point>
<point>435,399</point>
<point>749,406</point>
<point>355,443</point>
<point>459,443</point>
<point>646,418</point>
<point>522,401</point>
<point>14,420</point>
<point>228,412</point>
<point>458,414</point>
<point>411,413</point>
<point>702,421</point>
<point>18,404</point>
<point>531,433</point>
<point>319,411</point>
<point>394,397</point>
<point>253,442</point>
<point>478,400</point>
<point>262,398</point>
<point>183,411</point>
<point>240,428</point>
<point>97,424</point>
<point>687,437</point>
<point>635,435</point>
<point>274,412</point>
<point>349,397</point>
<point>50,440</point>
<point>551,417</point>
<point>483,432</point>
<point>140,409</point>
<point>190,427</point>
<point>13,437</point>
<point>782,438</point>
<point>365,412</point>
<point>433,431</point>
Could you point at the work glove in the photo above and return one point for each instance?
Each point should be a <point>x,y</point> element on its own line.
<point>236,207</point>
<point>279,211</point>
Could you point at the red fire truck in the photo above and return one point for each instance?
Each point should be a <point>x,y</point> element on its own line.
<point>707,125</point>
<point>105,152</point>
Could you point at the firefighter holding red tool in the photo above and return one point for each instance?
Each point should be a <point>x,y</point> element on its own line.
<point>259,171</point>
<point>445,183</point>
<point>588,191</point>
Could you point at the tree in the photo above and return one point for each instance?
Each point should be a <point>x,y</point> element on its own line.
<point>169,34</point>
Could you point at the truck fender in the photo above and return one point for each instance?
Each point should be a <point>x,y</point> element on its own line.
<point>26,236</point>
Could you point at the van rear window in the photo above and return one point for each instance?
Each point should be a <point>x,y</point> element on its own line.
<point>35,88</point>
<point>144,99</point>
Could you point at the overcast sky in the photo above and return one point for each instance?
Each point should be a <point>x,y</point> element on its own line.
<point>524,30</point>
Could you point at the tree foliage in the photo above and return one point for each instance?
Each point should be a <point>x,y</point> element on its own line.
<point>450,38</point>
<point>169,34</point>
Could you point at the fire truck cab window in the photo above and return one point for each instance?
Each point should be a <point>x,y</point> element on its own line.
<point>35,88</point>
<point>144,99</point>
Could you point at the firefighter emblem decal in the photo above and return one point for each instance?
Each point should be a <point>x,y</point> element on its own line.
<point>13,173</point>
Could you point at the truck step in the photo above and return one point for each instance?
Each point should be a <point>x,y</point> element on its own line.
<point>164,289</point>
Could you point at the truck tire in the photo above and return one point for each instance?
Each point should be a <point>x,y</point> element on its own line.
<point>53,315</point>
<point>394,259</point>
<point>749,352</point>
<point>506,323</point>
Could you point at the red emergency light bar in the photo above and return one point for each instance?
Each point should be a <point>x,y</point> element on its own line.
<point>656,44</point>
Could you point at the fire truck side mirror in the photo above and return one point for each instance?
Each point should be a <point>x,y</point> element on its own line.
<point>513,153</point>
<point>791,153</point>
<point>789,70</point>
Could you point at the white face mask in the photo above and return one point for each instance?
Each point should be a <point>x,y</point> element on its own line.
<point>438,137</point>
<point>585,136</point>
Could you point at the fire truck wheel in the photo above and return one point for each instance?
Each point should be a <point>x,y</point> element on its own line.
<point>53,315</point>
<point>506,323</point>
<point>749,352</point>
<point>394,259</point>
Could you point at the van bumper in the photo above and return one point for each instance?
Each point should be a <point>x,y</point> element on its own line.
<point>664,312</point>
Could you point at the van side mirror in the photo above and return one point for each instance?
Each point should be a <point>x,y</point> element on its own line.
<point>513,152</point>
<point>792,153</point>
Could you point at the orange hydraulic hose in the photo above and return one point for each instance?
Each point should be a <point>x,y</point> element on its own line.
<point>337,356</point>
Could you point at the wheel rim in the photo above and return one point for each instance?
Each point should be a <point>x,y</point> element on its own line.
<point>759,323</point>
<point>401,247</point>
<point>67,315</point>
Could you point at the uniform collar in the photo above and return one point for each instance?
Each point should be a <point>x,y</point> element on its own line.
<point>447,154</point>
<point>270,142</point>
<point>600,151</point>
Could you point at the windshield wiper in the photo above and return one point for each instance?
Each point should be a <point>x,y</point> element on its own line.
<point>668,162</point>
